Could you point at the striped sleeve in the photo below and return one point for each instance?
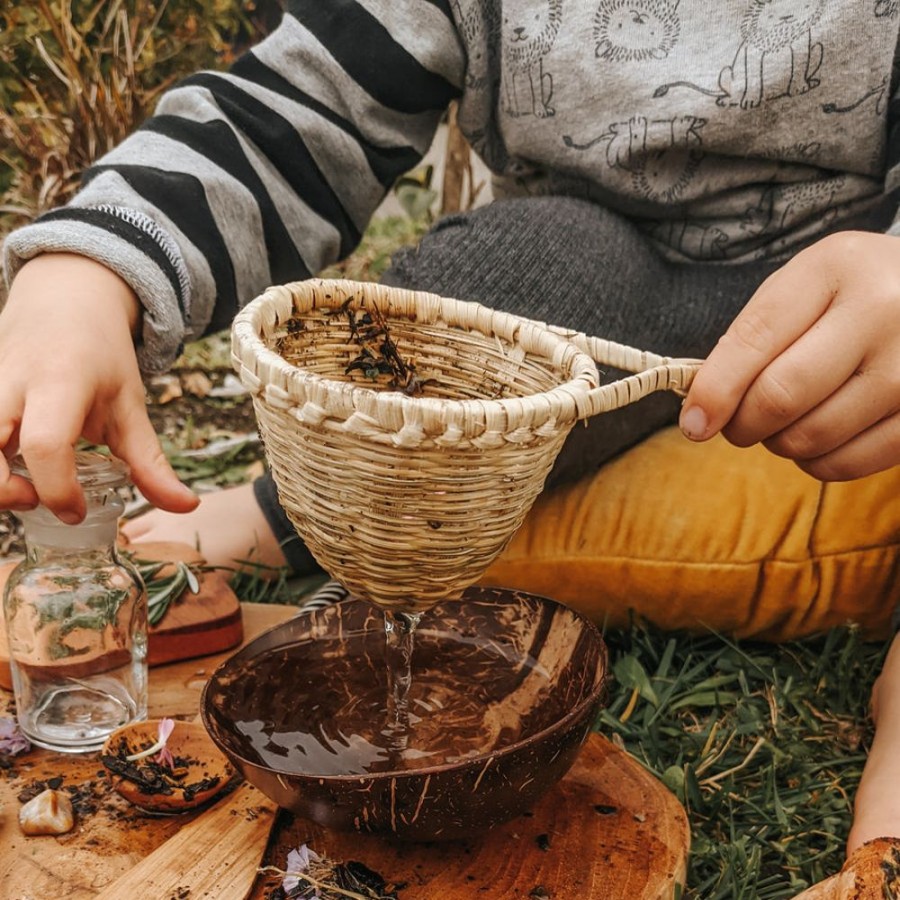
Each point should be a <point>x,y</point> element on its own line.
<point>265,173</point>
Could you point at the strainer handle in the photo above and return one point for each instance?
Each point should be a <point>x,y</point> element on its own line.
<point>652,373</point>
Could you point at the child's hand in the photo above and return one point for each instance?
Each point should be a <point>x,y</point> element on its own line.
<point>811,366</point>
<point>68,370</point>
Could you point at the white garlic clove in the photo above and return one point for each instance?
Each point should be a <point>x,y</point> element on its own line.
<point>49,813</point>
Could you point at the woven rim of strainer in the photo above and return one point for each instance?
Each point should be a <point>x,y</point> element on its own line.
<point>286,385</point>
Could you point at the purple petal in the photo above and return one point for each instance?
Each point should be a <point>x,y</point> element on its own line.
<point>298,861</point>
<point>12,741</point>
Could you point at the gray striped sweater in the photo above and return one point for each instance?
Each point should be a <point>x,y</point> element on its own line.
<point>727,131</point>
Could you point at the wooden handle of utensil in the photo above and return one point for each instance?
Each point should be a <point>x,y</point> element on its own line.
<point>218,854</point>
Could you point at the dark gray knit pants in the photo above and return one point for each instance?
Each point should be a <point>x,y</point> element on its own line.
<point>571,263</point>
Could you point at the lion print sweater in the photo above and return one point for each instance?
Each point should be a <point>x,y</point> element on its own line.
<point>727,131</point>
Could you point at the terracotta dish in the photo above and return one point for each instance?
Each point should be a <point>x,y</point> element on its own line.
<point>199,771</point>
<point>538,710</point>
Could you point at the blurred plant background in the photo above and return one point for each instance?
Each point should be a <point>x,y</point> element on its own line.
<point>763,744</point>
<point>76,76</point>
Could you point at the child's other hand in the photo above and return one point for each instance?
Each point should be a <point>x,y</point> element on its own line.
<point>68,370</point>
<point>811,366</point>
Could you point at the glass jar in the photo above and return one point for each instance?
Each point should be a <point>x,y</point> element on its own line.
<point>76,619</point>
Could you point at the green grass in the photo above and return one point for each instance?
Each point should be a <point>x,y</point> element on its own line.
<point>763,744</point>
<point>383,237</point>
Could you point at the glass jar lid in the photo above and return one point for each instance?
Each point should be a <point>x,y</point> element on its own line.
<point>94,470</point>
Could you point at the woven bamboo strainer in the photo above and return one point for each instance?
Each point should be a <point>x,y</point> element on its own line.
<point>407,499</point>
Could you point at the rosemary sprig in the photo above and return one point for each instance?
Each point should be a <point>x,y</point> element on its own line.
<point>162,592</point>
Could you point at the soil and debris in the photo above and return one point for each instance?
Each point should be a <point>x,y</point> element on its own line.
<point>310,875</point>
<point>155,778</point>
<point>86,797</point>
<point>90,798</point>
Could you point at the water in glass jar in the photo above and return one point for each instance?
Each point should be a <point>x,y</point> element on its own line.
<point>75,612</point>
<point>78,662</point>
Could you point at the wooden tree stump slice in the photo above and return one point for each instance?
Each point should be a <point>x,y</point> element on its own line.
<point>608,831</point>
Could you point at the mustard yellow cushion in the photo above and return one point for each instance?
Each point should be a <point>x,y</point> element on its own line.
<point>703,536</point>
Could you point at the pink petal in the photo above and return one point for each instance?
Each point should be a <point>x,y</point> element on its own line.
<point>164,758</point>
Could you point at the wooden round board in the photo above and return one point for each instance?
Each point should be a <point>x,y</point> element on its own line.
<point>608,831</point>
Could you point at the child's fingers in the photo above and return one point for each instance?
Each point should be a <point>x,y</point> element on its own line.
<point>7,450</point>
<point>866,398</point>
<point>808,375</point>
<point>7,447</point>
<point>876,449</point>
<point>770,322</point>
<point>51,426</point>
<point>131,437</point>
<point>15,492</point>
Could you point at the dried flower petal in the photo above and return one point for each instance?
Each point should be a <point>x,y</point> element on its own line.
<point>12,740</point>
<point>166,727</point>
<point>298,861</point>
<point>164,732</point>
<point>165,758</point>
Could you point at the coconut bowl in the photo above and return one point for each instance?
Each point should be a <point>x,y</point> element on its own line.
<point>553,670</point>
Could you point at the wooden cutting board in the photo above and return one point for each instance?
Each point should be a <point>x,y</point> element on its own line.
<point>218,854</point>
<point>195,625</point>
